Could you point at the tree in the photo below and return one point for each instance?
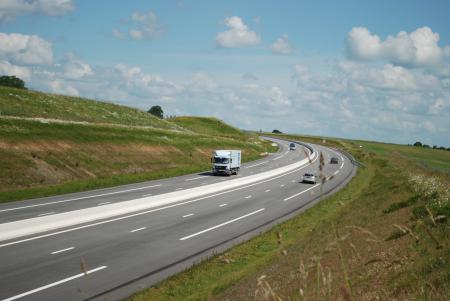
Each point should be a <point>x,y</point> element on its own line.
<point>12,81</point>
<point>157,111</point>
<point>418,143</point>
<point>277,132</point>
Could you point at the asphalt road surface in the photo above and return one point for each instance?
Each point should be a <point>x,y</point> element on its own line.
<point>112,257</point>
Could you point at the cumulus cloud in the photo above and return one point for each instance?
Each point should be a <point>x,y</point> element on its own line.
<point>61,87</point>
<point>6,68</point>
<point>282,45</point>
<point>11,9</point>
<point>238,34</point>
<point>25,49</point>
<point>141,26</point>
<point>75,68</point>
<point>138,82</point>
<point>418,48</point>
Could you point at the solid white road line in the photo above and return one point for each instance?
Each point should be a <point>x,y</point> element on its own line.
<point>148,194</point>
<point>80,198</point>
<point>54,284</point>
<point>104,203</point>
<point>187,215</point>
<point>222,224</point>
<point>179,188</point>
<point>336,172</point>
<point>297,194</point>
<point>248,197</point>
<point>192,179</point>
<point>152,210</point>
<point>222,205</point>
<point>268,190</point>
<point>47,213</point>
<point>282,185</point>
<point>63,250</point>
<point>138,229</point>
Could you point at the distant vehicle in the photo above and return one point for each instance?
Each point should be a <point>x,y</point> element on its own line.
<point>226,162</point>
<point>334,160</point>
<point>292,146</point>
<point>309,178</point>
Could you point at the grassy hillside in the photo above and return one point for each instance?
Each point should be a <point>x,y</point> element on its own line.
<point>208,126</point>
<point>40,157</point>
<point>28,103</point>
<point>433,159</point>
<point>385,236</point>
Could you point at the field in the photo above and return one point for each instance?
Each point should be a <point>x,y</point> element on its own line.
<point>383,237</point>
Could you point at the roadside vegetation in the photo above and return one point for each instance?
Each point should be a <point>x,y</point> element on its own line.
<point>385,236</point>
<point>54,153</point>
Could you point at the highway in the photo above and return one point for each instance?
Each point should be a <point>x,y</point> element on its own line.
<point>132,236</point>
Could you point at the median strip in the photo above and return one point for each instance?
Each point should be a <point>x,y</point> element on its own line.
<point>222,224</point>
<point>76,199</point>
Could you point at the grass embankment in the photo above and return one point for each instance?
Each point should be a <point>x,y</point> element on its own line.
<point>42,157</point>
<point>208,126</point>
<point>385,236</point>
<point>33,104</point>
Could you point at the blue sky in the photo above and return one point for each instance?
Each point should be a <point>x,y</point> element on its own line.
<point>375,70</point>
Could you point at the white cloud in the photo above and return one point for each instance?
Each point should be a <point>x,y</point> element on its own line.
<point>141,26</point>
<point>25,49</point>
<point>60,87</point>
<point>138,82</point>
<point>75,68</point>
<point>238,34</point>
<point>6,68</point>
<point>278,98</point>
<point>11,9</point>
<point>418,48</point>
<point>282,45</point>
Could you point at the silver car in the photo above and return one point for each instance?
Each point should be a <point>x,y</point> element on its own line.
<point>292,146</point>
<point>309,178</point>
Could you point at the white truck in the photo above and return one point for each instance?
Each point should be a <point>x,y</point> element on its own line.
<point>226,162</point>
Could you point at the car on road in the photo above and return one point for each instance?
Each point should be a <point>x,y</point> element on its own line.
<point>292,146</point>
<point>309,178</point>
<point>334,160</point>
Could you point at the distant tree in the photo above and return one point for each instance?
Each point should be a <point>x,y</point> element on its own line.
<point>12,81</point>
<point>277,132</point>
<point>434,146</point>
<point>157,111</point>
<point>418,143</point>
<point>448,148</point>
<point>426,146</point>
<point>441,147</point>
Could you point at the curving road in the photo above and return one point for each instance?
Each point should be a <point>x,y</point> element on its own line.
<point>141,233</point>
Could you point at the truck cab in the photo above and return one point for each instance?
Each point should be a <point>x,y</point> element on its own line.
<point>226,162</point>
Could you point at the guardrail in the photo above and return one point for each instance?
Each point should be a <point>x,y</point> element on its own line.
<point>351,158</point>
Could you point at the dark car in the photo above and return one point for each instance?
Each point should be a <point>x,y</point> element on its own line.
<point>334,160</point>
<point>292,146</point>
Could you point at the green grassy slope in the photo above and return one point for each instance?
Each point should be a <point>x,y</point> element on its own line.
<point>40,157</point>
<point>207,126</point>
<point>28,103</point>
<point>435,159</point>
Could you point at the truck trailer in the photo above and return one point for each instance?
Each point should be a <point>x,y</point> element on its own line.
<point>226,162</point>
